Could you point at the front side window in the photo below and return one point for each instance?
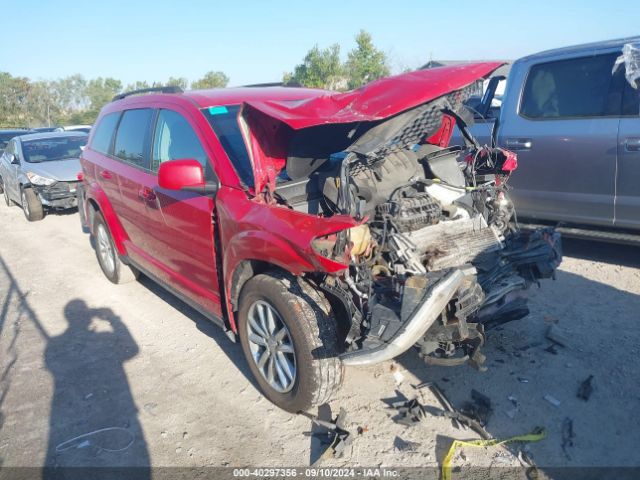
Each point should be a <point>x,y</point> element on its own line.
<point>9,147</point>
<point>132,137</point>
<point>579,87</point>
<point>103,135</point>
<point>224,121</point>
<point>174,139</point>
<point>53,148</point>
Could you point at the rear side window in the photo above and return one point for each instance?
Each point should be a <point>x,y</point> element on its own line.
<point>132,137</point>
<point>103,135</point>
<point>174,139</point>
<point>224,121</point>
<point>579,87</point>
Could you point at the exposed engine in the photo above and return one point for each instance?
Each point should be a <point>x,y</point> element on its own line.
<point>427,212</point>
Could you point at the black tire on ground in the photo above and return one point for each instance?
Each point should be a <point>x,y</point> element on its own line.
<point>6,195</point>
<point>312,330</point>
<point>108,259</point>
<point>31,205</point>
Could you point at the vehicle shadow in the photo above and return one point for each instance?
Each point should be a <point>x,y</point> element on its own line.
<point>203,324</point>
<point>611,253</point>
<point>524,367</point>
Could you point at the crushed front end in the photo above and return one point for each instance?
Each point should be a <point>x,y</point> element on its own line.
<point>438,258</point>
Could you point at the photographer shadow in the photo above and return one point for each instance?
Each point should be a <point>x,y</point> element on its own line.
<point>94,419</point>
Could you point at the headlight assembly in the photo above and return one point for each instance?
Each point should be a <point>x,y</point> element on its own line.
<point>38,180</point>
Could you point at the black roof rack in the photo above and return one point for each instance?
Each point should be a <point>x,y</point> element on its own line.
<point>170,89</point>
<point>292,84</point>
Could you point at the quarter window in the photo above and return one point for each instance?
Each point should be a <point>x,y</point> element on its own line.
<point>132,138</point>
<point>174,139</point>
<point>103,135</point>
<point>579,87</point>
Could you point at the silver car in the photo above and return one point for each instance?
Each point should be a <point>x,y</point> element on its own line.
<point>39,171</point>
<point>573,117</point>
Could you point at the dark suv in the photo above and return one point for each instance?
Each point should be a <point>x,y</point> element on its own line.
<point>322,229</point>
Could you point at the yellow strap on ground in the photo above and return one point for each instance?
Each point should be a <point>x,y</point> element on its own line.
<point>535,436</point>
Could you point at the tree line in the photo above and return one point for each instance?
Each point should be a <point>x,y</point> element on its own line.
<point>77,100</point>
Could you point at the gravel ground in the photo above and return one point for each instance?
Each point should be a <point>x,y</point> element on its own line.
<point>78,354</point>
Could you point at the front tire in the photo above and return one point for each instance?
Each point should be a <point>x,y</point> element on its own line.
<point>112,267</point>
<point>5,193</point>
<point>31,205</point>
<point>290,341</point>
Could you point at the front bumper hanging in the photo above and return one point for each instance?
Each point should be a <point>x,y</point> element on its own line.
<point>435,299</point>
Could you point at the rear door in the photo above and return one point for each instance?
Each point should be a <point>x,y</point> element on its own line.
<point>179,225</point>
<point>563,124</point>
<point>99,163</point>
<point>628,183</point>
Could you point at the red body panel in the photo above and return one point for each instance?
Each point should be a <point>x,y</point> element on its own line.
<point>170,233</point>
<point>376,100</point>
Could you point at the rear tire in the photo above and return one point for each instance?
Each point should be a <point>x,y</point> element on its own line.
<point>108,259</point>
<point>309,342</point>
<point>31,205</point>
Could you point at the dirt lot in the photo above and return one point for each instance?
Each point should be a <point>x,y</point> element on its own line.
<point>78,354</point>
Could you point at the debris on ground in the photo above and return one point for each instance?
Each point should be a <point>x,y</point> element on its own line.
<point>336,437</point>
<point>398,377</point>
<point>405,445</point>
<point>535,436</point>
<point>552,400</point>
<point>469,422</point>
<point>551,349</point>
<point>480,409</point>
<point>442,400</point>
<point>585,389</point>
<point>516,407</point>
<point>523,380</point>
<point>556,336</point>
<point>410,412</point>
<point>567,436</point>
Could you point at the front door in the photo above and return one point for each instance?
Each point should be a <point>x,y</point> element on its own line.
<point>564,132</point>
<point>127,173</point>
<point>179,229</point>
<point>628,184</point>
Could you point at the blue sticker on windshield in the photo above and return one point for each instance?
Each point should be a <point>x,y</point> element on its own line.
<point>218,110</point>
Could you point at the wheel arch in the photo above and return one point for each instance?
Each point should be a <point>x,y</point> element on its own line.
<point>98,202</point>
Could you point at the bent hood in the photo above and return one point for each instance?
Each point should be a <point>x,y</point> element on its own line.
<point>59,170</point>
<point>373,102</point>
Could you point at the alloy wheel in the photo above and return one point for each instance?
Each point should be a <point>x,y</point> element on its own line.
<point>105,250</point>
<point>271,346</point>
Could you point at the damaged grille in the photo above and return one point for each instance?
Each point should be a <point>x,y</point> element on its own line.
<point>59,190</point>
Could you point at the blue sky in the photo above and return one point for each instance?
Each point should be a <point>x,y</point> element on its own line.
<point>256,41</point>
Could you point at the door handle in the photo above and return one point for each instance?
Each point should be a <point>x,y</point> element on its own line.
<point>632,144</point>
<point>147,193</point>
<point>106,174</point>
<point>519,143</point>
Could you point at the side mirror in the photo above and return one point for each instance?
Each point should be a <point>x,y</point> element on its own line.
<point>13,159</point>
<point>186,175</point>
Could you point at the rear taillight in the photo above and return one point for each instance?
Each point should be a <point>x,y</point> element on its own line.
<point>80,176</point>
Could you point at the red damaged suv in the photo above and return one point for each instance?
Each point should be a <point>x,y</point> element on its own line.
<point>323,229</point>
